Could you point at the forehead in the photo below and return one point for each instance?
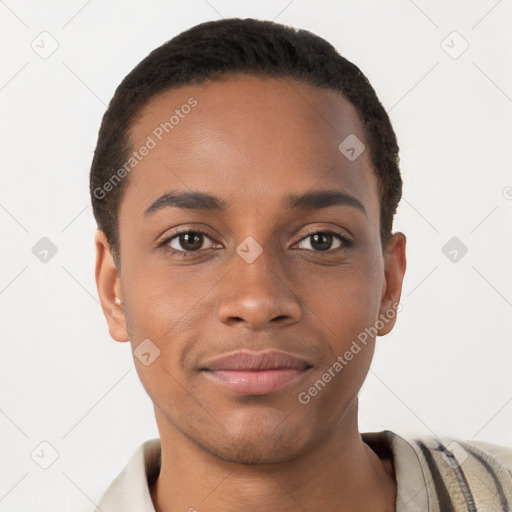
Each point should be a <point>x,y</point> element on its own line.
<point>248,139</point>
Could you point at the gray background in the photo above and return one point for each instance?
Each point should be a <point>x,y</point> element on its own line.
<point>445,368</point>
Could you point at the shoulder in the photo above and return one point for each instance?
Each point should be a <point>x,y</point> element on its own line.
<point>451,473</point>
<point>467,473</point>
<point>502,454</point>
<point>467,454</point>
<point>130,490</point>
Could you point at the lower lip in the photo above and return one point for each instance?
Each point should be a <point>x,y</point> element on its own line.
<point>255,382</point>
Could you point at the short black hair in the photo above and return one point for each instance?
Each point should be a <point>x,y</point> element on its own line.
<point>217,49</point>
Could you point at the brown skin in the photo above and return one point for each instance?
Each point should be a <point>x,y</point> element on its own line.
<point>251,142</point>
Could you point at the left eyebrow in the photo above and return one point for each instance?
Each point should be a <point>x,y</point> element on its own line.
<point>319,199</point>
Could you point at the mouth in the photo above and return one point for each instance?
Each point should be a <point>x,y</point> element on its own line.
<point>256,373</point>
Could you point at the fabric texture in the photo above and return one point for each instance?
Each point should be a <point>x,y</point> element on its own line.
<point>432,474</point>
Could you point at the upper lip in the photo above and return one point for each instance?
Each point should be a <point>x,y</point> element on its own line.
<point>249,360</point>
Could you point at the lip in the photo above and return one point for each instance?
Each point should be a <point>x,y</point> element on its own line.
<point>249,360</point>
<point>256,373</point>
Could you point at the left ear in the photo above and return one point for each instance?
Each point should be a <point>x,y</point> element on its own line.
<point>394,271</point>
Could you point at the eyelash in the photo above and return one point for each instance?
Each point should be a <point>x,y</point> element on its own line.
<point>345,241</point>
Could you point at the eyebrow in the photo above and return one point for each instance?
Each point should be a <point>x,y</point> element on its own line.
<point>316,200</point>
<point>323,199</point>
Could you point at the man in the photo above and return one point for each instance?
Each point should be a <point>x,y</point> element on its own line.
<point>244,185</point>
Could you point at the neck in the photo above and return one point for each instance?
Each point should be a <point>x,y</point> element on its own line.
<point>341,474</point>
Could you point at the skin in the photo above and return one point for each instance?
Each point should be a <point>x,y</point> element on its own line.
<point>251,142</point>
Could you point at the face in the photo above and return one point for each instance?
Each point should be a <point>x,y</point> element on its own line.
<point>277,264</point>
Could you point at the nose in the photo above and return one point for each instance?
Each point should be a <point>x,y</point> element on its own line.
<point>258,295</point>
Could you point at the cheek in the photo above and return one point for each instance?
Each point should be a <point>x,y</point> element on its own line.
<point>161,300</point>
<point>346,300</point>
<point>170,309</point>
<point>163,310</point>
<point>346,310</point>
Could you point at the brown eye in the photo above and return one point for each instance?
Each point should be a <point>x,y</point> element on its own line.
<point>188,241</point>
<point>323,241</point>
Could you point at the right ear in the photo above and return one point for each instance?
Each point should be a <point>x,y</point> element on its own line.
<point>108,284</point>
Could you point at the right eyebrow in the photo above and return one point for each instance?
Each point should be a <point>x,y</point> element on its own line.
<point>187,200</point>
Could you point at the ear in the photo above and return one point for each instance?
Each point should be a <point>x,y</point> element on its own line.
<point>394,271</point>
<point>108,284</point>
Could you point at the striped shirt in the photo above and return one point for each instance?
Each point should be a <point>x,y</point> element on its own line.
<point>432,475</point>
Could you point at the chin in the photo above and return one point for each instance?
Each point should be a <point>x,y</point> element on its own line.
<point>247,454</point>
<point>261,443</point>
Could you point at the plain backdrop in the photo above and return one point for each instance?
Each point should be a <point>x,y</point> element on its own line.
<point>441,69</point>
